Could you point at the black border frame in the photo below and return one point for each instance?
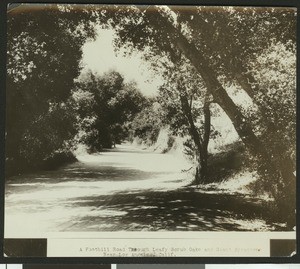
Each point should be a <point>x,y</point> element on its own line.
<point>140,260</point>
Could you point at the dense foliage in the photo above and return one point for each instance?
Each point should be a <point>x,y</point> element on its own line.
<point>200,52</point>
<point>105,104</point>
<point>147,124</point>
<point>43,59</point>
<point>233,46</point>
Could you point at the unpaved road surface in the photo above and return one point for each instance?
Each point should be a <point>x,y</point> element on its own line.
<point>123,189</point>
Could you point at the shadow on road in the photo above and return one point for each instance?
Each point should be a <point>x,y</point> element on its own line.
<point>172,211</point>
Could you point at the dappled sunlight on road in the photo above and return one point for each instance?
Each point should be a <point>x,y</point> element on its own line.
<point>46,200</point>
<point>121,189</point>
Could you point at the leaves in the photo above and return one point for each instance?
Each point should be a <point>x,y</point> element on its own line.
<point>112,102</point>
<point>43,56</point>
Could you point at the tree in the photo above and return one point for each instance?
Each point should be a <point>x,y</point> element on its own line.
<point>169,36</point>
<point>147,124</point>
<point>187,102</point>
<point>278,168</point>
<point>44,52</point>
<point>169,39</point>
<point>245,38</point>
<point>269,34</point>
<point>106,103</point>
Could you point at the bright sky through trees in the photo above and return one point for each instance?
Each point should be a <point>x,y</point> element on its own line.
<point>99,56</point>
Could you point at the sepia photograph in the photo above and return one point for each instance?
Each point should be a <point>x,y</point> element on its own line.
<point>150,118</point>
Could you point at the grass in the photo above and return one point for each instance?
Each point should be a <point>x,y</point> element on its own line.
<point>222,166</point>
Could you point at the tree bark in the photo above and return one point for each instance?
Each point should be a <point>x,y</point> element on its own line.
<point>221,97</point>
<point>201,143</point>
<point>276,168</point>
<point>249,84</point>
<point>193,130</point>
<point>207,122</point>
<point>219,93</point>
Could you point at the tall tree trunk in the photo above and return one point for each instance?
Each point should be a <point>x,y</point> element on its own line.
<point>221,97</point>
<point>203,168</point>
<point>201,143</point>
<point>193,130</point>
<point>207,121</point>
<point>243,128</point>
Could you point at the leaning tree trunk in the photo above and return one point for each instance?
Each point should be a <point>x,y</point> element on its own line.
<point>243,128</point>
<point>249,84</point>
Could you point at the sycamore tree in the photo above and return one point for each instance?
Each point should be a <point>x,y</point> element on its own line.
<point>232,41</point>
<point>222,44</point>
<point>255,50</point>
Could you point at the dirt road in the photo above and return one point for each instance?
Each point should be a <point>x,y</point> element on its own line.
<point>121,189</point>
